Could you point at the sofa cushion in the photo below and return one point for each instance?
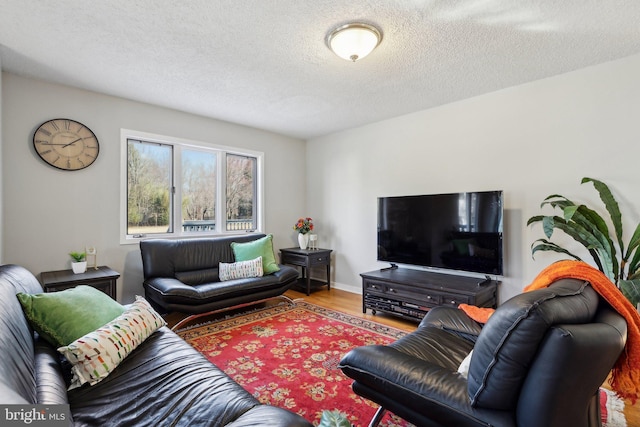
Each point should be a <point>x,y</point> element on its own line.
<point>175,292</point>
<point>262,247</point>
<point>509,341</point>
<point>166,382</point>
<point>198,277</point>
<point>62,317</point>
<point>96,354</point>
<point>241,269</point>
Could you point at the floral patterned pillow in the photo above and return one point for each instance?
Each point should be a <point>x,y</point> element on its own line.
<point>94,356</point>
<point>240,269</point>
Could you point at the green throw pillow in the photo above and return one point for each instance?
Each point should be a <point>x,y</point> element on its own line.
<point>251,250</point>
<point>63,317</point>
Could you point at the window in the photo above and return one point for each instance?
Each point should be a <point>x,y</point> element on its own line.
<point>149,187</point>
<point>240,194</point>
<point>199,178</point>
<point>179,188</point>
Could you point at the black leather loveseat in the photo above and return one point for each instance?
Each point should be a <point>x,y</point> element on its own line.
<point>182,275</point>
<point>163,382</point>
<point>538,361</point>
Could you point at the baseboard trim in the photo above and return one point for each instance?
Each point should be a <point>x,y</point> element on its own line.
<point>347,288</point>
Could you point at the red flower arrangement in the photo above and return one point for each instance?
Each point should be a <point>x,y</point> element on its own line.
<point>304,225</point>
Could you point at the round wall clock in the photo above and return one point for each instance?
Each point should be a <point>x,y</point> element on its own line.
<point>66,144</point>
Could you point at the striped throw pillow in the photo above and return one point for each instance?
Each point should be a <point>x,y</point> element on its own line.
<point>240,269</point>
<point>94,356</point>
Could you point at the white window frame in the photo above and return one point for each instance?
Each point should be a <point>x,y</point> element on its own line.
<point>176,215</point>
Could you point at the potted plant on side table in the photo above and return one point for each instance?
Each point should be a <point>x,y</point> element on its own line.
<point>79,262</point>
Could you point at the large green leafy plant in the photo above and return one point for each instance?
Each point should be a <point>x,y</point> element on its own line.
<point>619,262</point>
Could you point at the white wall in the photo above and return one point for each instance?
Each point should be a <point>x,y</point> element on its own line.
<point>530,141</point>
<point>48,212</point>
<point>1,173</point>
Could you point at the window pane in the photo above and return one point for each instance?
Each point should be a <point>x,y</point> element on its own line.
<point>198,191</point>
<point>148,188</point>
<point>241,192</point>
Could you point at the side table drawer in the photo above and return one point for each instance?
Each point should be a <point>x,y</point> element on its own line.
<point>319,259</point>
<point>295,259</point>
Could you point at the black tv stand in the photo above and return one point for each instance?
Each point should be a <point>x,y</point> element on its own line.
<point>392,267</point>
<point>410,294</point>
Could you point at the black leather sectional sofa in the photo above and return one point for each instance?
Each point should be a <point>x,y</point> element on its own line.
<point>163,382</point>
<point>538,361</point>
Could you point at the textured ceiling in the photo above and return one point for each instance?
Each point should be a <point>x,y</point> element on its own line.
<point>264,63</point>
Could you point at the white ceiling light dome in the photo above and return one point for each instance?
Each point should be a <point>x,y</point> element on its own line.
<point>354,41</point>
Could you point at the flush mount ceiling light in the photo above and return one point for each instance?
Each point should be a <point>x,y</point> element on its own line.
<point>354,41</point>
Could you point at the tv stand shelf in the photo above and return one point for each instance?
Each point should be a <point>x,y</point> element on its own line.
<point>412,293</point>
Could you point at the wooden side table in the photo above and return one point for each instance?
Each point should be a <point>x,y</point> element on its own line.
<point>307,258</point>
<point>103,279</point>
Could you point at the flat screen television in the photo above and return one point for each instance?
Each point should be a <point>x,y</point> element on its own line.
<point>458,231</point>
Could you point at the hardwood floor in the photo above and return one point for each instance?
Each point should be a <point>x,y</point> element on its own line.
<point>348,302</point>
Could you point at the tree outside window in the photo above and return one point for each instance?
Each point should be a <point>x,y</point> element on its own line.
<point>241,192</point>
<point>199,181</point>
<point>149,187</point>
<point>174,189</point>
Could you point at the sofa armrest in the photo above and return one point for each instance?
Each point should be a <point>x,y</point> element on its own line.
<point>50,378</point>
<point>286,274</point>
<point>452,320</point>
<point>405,377</point>
<point>271,416</point>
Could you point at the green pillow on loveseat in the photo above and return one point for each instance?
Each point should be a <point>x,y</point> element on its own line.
<point>263,247</point>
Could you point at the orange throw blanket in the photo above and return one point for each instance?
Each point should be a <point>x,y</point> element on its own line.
<point>479,314</point>
<point>625,376</point>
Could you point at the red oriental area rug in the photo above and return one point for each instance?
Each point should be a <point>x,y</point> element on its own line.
<point>287,356</point>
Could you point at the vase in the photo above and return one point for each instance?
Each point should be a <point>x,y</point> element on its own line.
<point>79,267</point>
<point>303,240</point>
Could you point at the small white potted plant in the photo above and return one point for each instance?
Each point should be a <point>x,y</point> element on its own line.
<point>78,262</point>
